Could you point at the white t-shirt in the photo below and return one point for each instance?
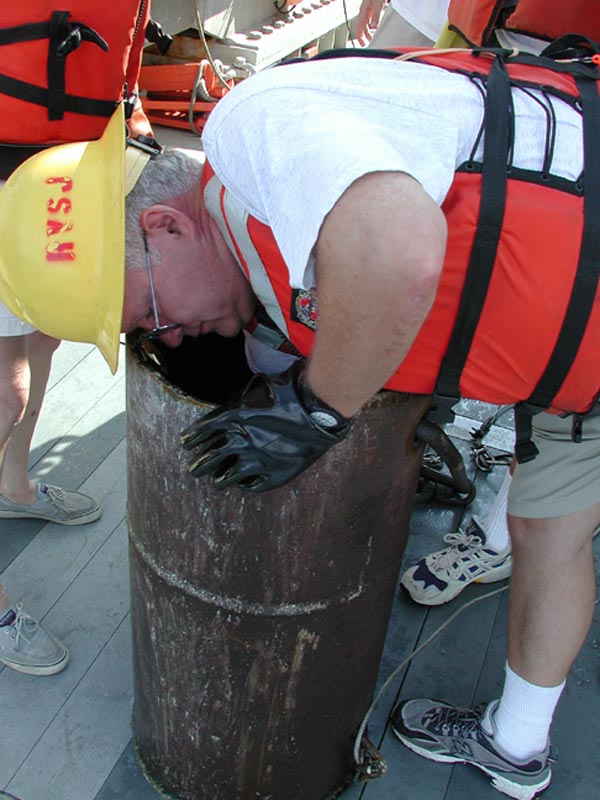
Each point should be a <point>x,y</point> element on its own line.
<point>288,141</point>
<point>427,16</point>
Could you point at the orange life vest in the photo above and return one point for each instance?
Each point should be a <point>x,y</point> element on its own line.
<point>65,66</point>
<point>509,323</point>
<point>476,20</point>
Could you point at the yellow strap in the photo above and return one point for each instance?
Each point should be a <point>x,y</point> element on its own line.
<point>135,161</point>
<point>448,38</point>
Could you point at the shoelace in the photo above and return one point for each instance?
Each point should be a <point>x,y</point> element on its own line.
<point>462,722</point>
<point>22,620</point>
<point>57,497</point>
<point>460,543</point>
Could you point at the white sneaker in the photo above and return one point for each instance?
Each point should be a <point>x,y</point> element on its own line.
<point>441,576</point>
<point>26,646</point>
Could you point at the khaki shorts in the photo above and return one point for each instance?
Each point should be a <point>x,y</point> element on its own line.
<point>565,476</point>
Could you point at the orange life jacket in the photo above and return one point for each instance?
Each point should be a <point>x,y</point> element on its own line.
<point>516,317</point>
<point>64,67</point>
<point>475,20</point>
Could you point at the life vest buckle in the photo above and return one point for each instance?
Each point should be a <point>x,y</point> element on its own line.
<point>442,411</point>
<point>577,428</point>
<point>71,42</point>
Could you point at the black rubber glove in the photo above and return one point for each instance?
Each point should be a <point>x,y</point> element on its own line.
<point>264,436</point>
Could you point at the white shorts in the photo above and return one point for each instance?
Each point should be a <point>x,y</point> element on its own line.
<point>11,325</point>
<point>395,31</point>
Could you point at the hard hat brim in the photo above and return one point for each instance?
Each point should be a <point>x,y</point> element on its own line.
<point>62,234</point>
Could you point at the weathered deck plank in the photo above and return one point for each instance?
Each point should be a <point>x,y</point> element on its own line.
<point>76,580</point>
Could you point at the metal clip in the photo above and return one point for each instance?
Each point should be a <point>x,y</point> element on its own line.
<point>485,461</point>
<point>371,764</point>
<point>432,460</point>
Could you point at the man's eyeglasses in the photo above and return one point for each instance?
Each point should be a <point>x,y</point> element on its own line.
<point>158,329</point>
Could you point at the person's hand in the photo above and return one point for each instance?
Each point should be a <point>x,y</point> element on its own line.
<point>264,436</point>
<point>367,20</point>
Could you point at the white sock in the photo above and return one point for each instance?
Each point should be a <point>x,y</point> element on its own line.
<point>524,715</point>
<point>495,523</point>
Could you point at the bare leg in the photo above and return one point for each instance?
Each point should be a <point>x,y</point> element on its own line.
<point>22,386</point>
<point>24,368</point>
<point>4,601</point>
<point>552,593</point>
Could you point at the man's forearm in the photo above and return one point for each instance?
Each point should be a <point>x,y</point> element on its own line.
<point>379,257</point>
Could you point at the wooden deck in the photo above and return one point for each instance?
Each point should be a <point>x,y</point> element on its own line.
<point>68,737</point>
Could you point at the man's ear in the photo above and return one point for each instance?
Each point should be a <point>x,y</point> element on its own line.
<point>165,219</point>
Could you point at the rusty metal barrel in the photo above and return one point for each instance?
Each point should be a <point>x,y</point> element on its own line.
<point>258,620</point>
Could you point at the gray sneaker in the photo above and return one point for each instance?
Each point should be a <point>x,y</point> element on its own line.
<point>441,732</point>
<point>26,646</point>
<point>55,505</point>
<point>438,577</point>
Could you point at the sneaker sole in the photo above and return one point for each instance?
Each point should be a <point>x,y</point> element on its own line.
<point>449,594</point>
<point>498,575</point>
<point>30,669</point>
<point>502,784</point>
<point>82,520</point>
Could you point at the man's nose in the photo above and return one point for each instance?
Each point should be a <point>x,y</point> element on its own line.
<point>172,338</point>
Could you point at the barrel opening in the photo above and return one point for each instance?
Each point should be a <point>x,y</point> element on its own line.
<point>209,368</point>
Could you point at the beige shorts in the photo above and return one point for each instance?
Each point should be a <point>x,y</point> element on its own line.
<point>565,476</point>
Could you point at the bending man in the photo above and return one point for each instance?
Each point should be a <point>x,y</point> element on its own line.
<point>381,234</point>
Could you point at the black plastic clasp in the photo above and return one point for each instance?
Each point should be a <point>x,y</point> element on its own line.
<point>577,428</point>
<point>147,144</point>
<point>442,410</point>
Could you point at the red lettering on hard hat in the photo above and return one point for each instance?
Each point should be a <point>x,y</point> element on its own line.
<point>64,205</point>
<point>59,224</point>
<point>63,251</point>
<point>67,183</point>
<point>55,226</point>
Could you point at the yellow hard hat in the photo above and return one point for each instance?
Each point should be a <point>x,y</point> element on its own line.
<point>62,240</point>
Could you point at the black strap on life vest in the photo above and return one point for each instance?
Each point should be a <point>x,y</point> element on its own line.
<point>585,285</point>
<point>64,37</point>
<point>497,121</point>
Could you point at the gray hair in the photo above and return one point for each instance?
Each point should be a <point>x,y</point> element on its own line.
<point>165,177</point>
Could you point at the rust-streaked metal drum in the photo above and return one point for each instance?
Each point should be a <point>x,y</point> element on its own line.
<point>259,620</point>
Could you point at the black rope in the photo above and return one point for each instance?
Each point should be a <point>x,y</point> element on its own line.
<point>549,145</point>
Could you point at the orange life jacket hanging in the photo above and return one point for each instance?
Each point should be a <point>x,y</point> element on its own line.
<point>516,318</point>
<point>475,20</point>
<point>65,66</point>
